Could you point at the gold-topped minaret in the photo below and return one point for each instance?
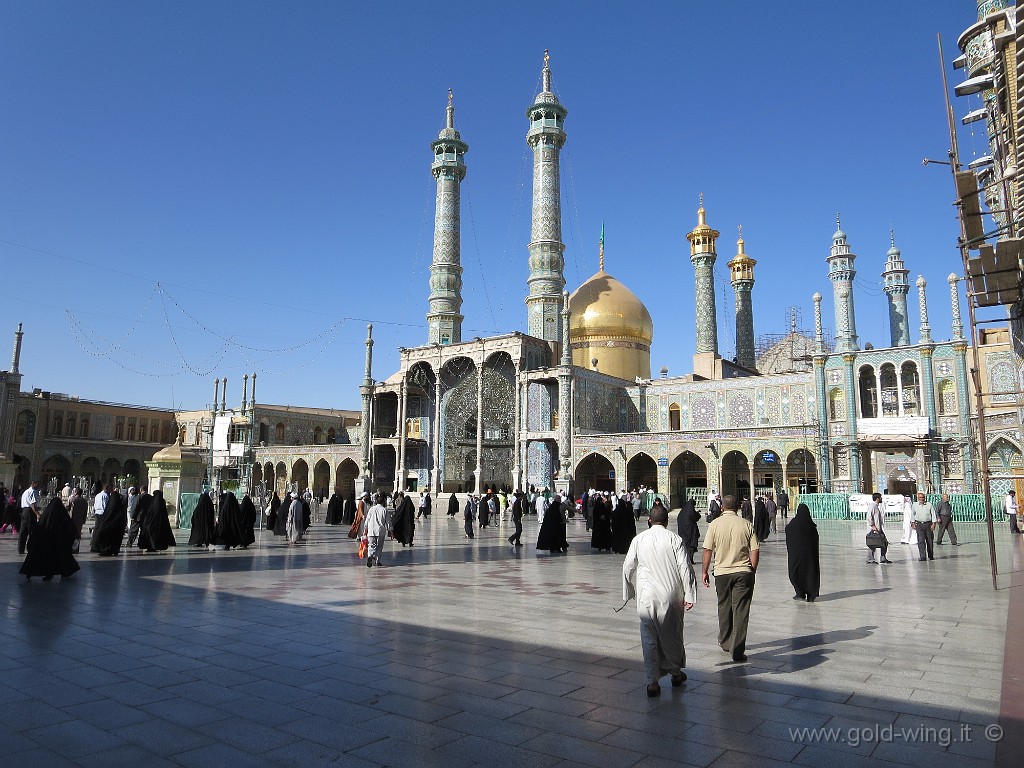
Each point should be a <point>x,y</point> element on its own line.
<point>741,270</point>
<point>702,255</point>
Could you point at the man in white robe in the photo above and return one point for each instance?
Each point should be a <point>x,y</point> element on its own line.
<point>658,574</point>
<point>909,534</point>
<point>375,527</point>
<point>295,520</point>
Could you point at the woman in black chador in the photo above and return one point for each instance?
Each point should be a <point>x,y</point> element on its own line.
<point>154,527</point>
<point>248,521</point>
<point>348,513</point>
<point>600,524</point>
<point>405,521</point>
<point>229,525</point>
<point>280,526</point>
<point>109,527</point>
<point>203,523</point>
<point>275,508</point>
<point>333,510</point>
<point>762,523</point>
<point>49,546</point>
<point>802,545</point>
<point>686,523</point>
<point>552,528</point>
<point>623,525</point>
<point>453,506</point>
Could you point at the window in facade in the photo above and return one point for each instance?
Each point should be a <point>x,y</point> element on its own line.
<point>890,393</point>
<point>119,428</point>
<point>947,397</point>
<point>837,408</point>
<point>25,431</point>
<point>72,418</point>
<point>84,432</point>
<point>470,432</point>
<point>950,459</point>
<point>674,422</point>
<point>911,389</point>
<point>868,393</point>
<point>131,429</point>
<point>154,432</point>
<point>318,436</point>
<point>58,424</point>
<point>279,433</point>
<point>840,462</point>
<point>332,436</point>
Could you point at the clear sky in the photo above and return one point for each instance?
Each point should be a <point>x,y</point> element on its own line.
<point>268,164</point>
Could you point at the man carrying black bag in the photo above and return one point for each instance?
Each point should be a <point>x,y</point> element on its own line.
<point>876,536</point>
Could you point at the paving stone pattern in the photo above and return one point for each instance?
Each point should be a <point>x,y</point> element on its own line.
<point>461,653</point>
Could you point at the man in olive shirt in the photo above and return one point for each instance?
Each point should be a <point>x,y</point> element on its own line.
<point>732,541</point>
<point>924,522</point>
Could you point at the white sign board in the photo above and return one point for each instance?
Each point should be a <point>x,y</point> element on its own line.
<point>892,427</point>
<point>221,426</point>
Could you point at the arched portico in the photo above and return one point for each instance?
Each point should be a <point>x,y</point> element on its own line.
<point>594,471</point>
<point>688,478</point>
<point>642,470</point>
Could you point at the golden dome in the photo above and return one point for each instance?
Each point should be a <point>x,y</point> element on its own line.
<point>608,322</point>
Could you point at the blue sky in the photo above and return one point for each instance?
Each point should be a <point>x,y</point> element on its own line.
<point>268,164</point>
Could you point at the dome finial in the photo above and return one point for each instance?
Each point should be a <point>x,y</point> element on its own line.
<point>839,225</point>
<point>739,242</point>
<point>701,216</point>
<point>600,251</point>
<point>892,237</point>
<point>450,123</point>
<point>546,73</point>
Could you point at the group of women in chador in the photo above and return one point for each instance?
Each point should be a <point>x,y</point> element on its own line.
<point>108,530</point>
<point>334,510</point>
<point>50,544</point>
<point>155,533</point>
<point>552,528</point>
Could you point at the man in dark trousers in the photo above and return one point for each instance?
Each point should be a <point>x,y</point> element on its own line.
<point>945,512</point>
<point>141,508</point>
<point>783,503</point>
<point>731,541</point>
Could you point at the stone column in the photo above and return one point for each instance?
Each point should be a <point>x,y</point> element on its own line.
<point>364,483</point>
<point>435,471</point>
<point>565,401</point>
<point>403,394</point>
<point>477,482</point>
<point>517,425</point>
<point>854,458</point>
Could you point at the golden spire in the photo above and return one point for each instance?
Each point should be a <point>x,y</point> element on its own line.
<point>702,238</point>
<point>600,251</point>
<point>450,121</point>
<point>742,265</point>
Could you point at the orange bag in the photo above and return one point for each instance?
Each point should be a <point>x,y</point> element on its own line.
<point>364,547</point>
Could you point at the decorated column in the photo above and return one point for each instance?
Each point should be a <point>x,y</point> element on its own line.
<point>364,483</point>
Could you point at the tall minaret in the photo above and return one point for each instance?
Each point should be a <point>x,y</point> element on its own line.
<point>841,272</point>
<point>741,269</point>
<point>546,281</point>
<point>444,320</point>
<point>702,256</point>
<point>897,286</point>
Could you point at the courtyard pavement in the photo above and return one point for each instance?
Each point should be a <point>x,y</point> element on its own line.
<point>459,653</point>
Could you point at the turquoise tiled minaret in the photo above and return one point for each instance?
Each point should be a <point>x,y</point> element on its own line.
<point>963,400</point>
<point>741,270</point>
<point>841,272</point>
<point>546,281</point>
<point>897,286</point>
<point>444,318</point>
<point>703,255</point>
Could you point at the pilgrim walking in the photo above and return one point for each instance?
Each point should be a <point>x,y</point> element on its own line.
<point>802,547</point>
<point>49,547</point>
<point>658,574</point>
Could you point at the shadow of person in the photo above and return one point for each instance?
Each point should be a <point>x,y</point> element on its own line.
<point>849,593</point>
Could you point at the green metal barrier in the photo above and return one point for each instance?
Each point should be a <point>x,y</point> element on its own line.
<point>826,506</point>
<point>185,510</point>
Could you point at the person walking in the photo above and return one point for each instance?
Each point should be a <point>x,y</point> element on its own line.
<point>29,514</point>
<point>730,540</point>
<point>686,524</point>
<point>517,520</point>
<point>876,518</point>
<point>1012,510</point>
<point>469,515</point>
<point>773,512</point>
<point>945,512</point>
<point>658,574</point>
<point>924,523</point>
<point>802,551</point>
<point>375,527</point>
<point>784,503</point>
